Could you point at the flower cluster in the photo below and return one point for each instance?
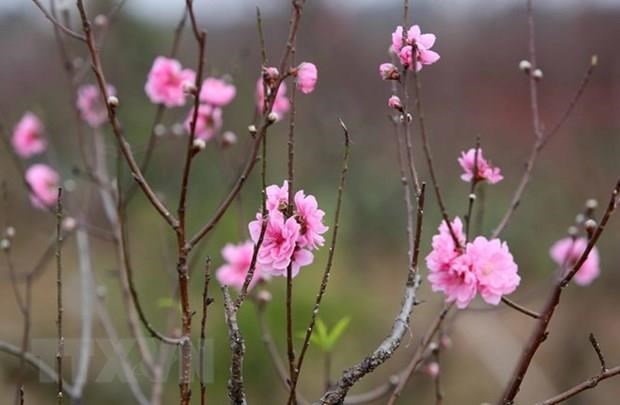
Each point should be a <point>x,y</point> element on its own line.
<point>306,75</point>
<point>215,94</point>
<point>288,240</point>
<point>461,270</point>
<point>412,50</point>
<point>485,170</point>
<point>91,106</point>
<point>566,252</point>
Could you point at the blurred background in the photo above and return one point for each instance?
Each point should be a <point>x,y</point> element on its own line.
<point>476,89</point>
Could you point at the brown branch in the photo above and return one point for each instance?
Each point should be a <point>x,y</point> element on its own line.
<point>598,351</point>
<point>330,258</point>
<point>520,308</point>
<point>579,388</point>
<point>391,343</point>
<point>203,324</point>
<point>59,308</point>
<point>236,390</point>
<point>539,334</point>
<point>58,24</point>
<point>472,191</point>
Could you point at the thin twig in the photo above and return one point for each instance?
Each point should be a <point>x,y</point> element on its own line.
<point>579,388</point>
<point>58,24</point>
<point>520,308</point>
<point>330,258</point>
<point>203,324</point>
<point>599,352</point>
<point>472,190</point>
<point>59,308</point>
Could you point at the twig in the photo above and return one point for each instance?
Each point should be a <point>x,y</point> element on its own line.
<point>472,190</point>
<point>236,390</point>
<point>599,353</point>
<point>59,308</point>
<point>391,343</point>
<point>579,388</point>
<point>539,334</point>
<point>203,324</point>
<point>58,24</point>
<point>520,308</point>
<point>330,258</point>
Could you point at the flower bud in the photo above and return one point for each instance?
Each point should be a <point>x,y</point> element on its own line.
<point>270,75</point>
<point>591,204</point>
<point>272,117</point>
<point>389,72</point>
<point>199,144</point>
<point>252,129</point>
<point>189,88</point>
<point>9,232</point>
<point>395,103</point>
<point>538,74</point>
<point>263,297</point>
<point>432,369</point>
<point>525,66</point>
<point>113,101</point>
<point>101,20</point>
<point>229,138</point>
<point>590,225</point>
<point>159,130</point>
<point>69,224</point>
<point>5,244</point>
<point>178,129</point>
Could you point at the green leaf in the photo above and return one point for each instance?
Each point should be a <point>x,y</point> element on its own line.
<point>337,331</point>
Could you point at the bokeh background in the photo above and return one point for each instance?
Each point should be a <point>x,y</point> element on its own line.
<point>475,90</point>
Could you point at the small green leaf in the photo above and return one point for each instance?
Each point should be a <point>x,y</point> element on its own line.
<point>337,331</point>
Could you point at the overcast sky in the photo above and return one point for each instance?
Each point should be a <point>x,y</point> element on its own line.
<point>228,11</point>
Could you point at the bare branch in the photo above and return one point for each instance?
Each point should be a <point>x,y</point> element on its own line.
<point>236,390</point>
<point>579,388</point>
<point>58,24</point>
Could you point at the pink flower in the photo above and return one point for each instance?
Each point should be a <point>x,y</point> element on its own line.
<point>166,82</point>
<point>494,268</point>
<point>217,92</point>
<point>43,182</point>
<point>281,104</point>
<point>278,249</point>
<point>450,269</point>
<point>388,71</point>
<point>239,259</point>
<point>277,197</point>
<point>310,217</point>
<point>566,252</point>
<point>91,106</point>
<point>416,44</point>
<point>395,103</point>
<point>307,76</point>
<point>486,172</point>
<point>28,139</point>
<point>208,121</point>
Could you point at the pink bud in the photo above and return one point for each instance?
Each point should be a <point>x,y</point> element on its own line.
<point>432,369</point>
<point>395,103</point>
<point>307,76</point>
<point>389,72</point>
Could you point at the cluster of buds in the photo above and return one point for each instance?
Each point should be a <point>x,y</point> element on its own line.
<point>526,66</point>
